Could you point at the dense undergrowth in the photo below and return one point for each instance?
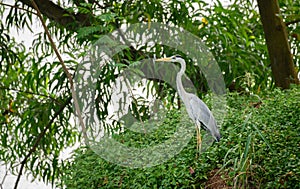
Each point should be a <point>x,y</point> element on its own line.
<point>260,148</point>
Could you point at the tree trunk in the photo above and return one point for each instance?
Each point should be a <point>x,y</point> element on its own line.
<point>282,65</point>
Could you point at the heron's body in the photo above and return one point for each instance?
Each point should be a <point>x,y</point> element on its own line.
<point>196,108</point>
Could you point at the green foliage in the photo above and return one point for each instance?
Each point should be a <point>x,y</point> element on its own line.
<point>263,135</point>
<point>238,44</point>
<point>259,149</point>
<point>173,173</point>
<point>34,86</point>
<point>28,105</point>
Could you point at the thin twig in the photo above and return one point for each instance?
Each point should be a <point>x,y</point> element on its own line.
<point>134,101</point>
<point>32,93</point>
<point>4,177</point>
<point>292,22</point>
<point>17,7</point>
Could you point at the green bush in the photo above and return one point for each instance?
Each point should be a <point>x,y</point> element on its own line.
<point>259,149</point>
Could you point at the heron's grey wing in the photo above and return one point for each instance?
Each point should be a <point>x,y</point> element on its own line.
<point>203,115</point>
<point>200,111</point>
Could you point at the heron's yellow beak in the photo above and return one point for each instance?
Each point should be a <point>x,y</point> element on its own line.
<point>163,60</point>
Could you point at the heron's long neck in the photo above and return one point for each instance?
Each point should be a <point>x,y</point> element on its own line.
<point>180,88</point>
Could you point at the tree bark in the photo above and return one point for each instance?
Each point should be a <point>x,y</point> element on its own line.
<point>69,20</point>
<point>282,65</point>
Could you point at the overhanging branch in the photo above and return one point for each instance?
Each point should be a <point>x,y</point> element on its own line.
<point>70,20</point>
<point>74,97</point>
<point>39,138</point>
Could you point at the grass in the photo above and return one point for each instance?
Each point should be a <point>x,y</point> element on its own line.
<point>260,148</point>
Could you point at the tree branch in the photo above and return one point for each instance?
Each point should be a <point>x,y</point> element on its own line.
<point>69,76</point>
<point>292,22</point>
<point>32,93</point>
<point>17,7</point>
<point>41,135</point>
<point>70,20</point>
<point>4,177</point>
<point>276,35</point>
<point>74,97</point>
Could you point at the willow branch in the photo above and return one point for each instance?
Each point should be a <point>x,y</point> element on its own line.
<point>4,177</point>
<point>39,138</point>
<point>70,79</point>
<point>32,93</point>
<point>65,69</point>
<point>70,20</point>
<point>17,7</point>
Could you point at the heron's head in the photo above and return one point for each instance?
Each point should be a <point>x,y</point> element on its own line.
<point>215,133</point>
<point>217,136</point>
<point>175,58</point>
<point>210,125</point>
<point>214,130</point>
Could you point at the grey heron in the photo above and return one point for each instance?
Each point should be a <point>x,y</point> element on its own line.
<point>196,108</point>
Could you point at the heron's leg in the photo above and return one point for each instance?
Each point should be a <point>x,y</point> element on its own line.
<point>199,141</point>
<point>197,136</point>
